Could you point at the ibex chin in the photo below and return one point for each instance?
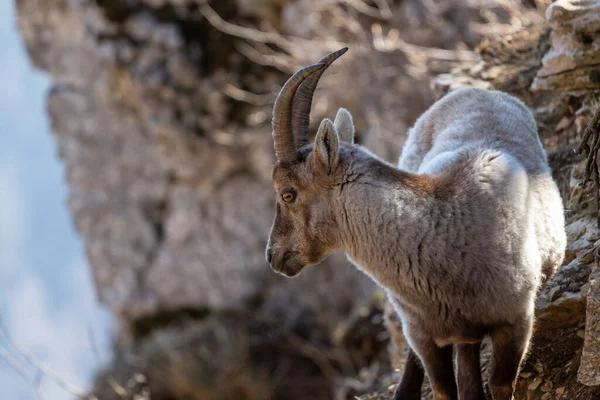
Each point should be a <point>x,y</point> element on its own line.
<point>460,235</point>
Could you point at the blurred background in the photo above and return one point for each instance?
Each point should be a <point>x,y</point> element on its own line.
<point>48,303</point>
<point>135,189</point>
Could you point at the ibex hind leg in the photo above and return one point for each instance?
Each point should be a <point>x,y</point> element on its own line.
<point>412,379</point>
<point>468,372</point>
<point>510,344</point>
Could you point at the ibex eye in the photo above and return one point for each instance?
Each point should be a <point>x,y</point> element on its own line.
<point>288,197</point>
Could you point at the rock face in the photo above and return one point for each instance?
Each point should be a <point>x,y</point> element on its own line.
<point>169,174</point>
<point>211,360</point>
<point>564,359</point>
<point>572,61</point>
<point>161,112</point>
<point>589,370</point>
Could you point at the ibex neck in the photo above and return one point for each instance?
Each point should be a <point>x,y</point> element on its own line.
<point>389,220</point>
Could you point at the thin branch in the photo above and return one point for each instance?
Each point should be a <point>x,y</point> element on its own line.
<point>43,368</point>
<point>240,31</point>
<point>289,44</point>
<point>316,355</point>
<point>248,97</point>
<point>346,19</point>
<point>591,173</point>
<point>116,387</point>
<point>112,382</point>
<point>370,11</point>
<point>14,364</point>
<point>93,346</point>
<point>384,8</point>
<point>591,128</point>
<point>277,61</point>
<point>392,42</point>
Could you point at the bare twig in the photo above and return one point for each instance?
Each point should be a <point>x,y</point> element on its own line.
<point>248,97</point>
<point>240,31</point>
<point>44,369</point>
<point>112,382</point>
<point>392,41</point>
<point>291,44</point>
<point>116,387</point>
<point>591,128</point>
<point>279,61</point>
<point>346,19</point>
<point>592,134</point>
<point>93,346</point>
<point>384,8</point>
<point>382,11</point>
<point>14,364</point>
<point>322,361</point>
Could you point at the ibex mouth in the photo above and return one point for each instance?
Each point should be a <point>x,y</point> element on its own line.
<point>289,265</point>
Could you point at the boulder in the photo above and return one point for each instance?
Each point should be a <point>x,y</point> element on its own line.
<point>572,61</point>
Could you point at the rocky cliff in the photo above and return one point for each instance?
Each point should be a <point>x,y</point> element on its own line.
<point>161,112</point>
<point>553,68</point>
<point>168,171</point>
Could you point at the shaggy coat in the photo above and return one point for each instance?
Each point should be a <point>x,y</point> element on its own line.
<point>460,235</point>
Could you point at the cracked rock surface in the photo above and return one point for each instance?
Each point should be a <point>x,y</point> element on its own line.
<point>543,65</point>
<point>161,112</point>
<point>163,123</point>
<point>169,176</point>
<point>573,60</point>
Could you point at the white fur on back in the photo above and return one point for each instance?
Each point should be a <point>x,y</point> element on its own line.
<point>477,121</point>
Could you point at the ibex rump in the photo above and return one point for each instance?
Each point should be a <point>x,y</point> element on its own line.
<point>460,236</point>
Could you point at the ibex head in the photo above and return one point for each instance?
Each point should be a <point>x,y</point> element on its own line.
<point>304,178</point>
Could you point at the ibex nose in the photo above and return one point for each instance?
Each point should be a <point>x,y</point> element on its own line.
<point>269,255</point>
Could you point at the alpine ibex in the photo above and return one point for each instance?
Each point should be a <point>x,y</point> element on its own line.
<point>460,236</point>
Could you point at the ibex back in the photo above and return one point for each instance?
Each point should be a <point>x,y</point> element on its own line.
<point>460,236</point>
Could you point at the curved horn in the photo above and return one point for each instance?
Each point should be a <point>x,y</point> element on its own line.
<point>283,138</point>
<point>303,99</point>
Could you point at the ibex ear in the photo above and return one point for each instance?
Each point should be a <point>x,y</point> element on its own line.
<point>327,146</point>
<point>344,125</point>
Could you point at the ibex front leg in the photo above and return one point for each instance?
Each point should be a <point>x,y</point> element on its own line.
<point>437,362</point>
<point>510,345</point>
<point>412,379</point>
<point>468,372</point>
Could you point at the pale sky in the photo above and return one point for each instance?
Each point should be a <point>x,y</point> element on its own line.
<point>47,299</point>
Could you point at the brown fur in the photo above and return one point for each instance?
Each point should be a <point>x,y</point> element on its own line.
<point>458,236</point>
